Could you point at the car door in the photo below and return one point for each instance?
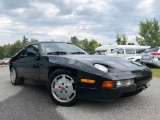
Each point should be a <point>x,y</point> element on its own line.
<point>29,64</point>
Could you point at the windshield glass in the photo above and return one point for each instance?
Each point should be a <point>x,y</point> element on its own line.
<point>50,47</point>
<point>114,50</point>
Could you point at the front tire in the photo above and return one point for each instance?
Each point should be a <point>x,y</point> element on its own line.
<point>15,80</point>
<point>61,88</point>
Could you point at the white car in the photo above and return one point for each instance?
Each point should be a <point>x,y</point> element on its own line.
<point>134,58</point>
<point>5,60</point>
<point>1,62</point>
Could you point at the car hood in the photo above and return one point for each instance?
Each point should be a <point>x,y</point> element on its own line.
<point>90,60</point>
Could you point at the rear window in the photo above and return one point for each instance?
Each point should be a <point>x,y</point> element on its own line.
<point>152,50</point>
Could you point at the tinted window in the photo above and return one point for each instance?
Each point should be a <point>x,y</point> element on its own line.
<point>130,51</point>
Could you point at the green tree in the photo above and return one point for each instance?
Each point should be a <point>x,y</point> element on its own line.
<point>149,33</point>
<point>33,40</point>
<point>16,47</point>
<point>1,52</point>
<point>25,41</point>
<point>93,44</point>
<point>121,39</point>
<point>118,36</point>
<point>84,44</point>
<point>75,41</point>
<point>124,39</point>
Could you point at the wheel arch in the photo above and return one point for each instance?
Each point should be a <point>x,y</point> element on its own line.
<point>71,70</point>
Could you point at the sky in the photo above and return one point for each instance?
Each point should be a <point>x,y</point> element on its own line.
<point>59,20</point>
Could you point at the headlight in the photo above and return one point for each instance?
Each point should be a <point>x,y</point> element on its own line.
<point>101,67</point>
<point>124,83</point>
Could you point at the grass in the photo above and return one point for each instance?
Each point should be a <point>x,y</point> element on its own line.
<point>156,72</point>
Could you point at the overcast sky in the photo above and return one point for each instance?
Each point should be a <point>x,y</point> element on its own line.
<point>59,20</point>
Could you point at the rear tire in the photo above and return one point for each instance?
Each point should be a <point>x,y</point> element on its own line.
<point>15,80</point>
<point>61,88</point>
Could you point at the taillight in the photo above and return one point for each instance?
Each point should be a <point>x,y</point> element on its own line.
<point>156,53</point>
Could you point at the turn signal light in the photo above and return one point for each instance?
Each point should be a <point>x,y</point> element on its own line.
<point>88,81</point>
<point>108,84</point>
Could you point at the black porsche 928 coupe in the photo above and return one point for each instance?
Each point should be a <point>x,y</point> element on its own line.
<point>71,74</point>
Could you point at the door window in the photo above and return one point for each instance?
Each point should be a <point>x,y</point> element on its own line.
<point>120,51</point>
<point>32,49</point>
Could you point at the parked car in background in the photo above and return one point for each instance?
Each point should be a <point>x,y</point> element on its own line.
<point>5,60</point>
<point>1,62</point>
<point>151,57</point>
<point>108,49</point>
<point>70,73</point>
<point>128,51</point>
<point>134,58</point>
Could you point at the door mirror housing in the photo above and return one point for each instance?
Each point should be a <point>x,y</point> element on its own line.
<point>33,54</point>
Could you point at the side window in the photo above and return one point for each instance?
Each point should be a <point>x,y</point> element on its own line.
<point>32,49</point>
<point>120,51</point>
<point>130,51</point>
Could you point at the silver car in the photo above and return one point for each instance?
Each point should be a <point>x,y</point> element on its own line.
<point>151,57</point>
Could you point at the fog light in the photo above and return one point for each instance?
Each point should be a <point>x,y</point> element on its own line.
<point>124,83</point>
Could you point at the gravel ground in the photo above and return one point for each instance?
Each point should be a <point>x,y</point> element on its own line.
<point>31,102</point>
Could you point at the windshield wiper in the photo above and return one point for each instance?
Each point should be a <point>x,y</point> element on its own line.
<point>77,52</point>
<point>57,53</point>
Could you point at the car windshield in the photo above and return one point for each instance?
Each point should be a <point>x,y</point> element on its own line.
<point>61,48</point>
<point>114,50</point>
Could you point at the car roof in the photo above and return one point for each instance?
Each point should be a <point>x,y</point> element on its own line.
<point>50,42</point>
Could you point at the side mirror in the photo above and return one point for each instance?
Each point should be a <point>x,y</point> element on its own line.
<point>31,54</point>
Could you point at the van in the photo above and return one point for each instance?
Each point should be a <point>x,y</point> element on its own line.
<point>107,49</point>
<point>122,51</point>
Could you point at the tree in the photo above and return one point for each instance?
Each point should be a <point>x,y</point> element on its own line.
<point>84,44</point>
<point>124,39</point>
<point>121,39</point>
<point>1,52</point>
<point>149,33</point>
<point>93,44</point>
<point>33,40</point>
<point>24,41</point>
<point>75,41</point>
<point>118,36</point>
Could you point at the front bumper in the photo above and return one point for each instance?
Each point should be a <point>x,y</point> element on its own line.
<point>105,94</point>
